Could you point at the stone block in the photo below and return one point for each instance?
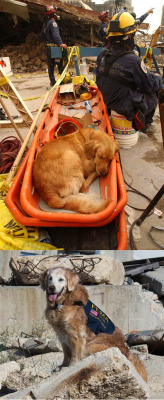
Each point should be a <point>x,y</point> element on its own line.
<point>154,280</point>
<point>6,369</point>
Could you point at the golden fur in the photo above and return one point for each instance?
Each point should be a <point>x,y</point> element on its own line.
<point>68,165</point>
<point>70,321</point>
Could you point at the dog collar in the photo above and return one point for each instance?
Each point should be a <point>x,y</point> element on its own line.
<point>58,306</point>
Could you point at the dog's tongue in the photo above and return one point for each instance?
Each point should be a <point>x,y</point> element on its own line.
<point>52,297</point>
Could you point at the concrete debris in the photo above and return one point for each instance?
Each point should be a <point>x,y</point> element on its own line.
<point>155,369</point>
<point>6,369</point>
<point>40,346</point>
<point>154,279</point>
<point>91,269</point>
<point>153,338</point>
<point>135,269</point>
<point>33,370</point>
<point>142,348</point>
<point>24,58</point>
<point>107,374</point>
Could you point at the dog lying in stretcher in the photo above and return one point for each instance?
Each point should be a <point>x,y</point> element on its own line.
<point>82,328</point>
<point>65,167</point>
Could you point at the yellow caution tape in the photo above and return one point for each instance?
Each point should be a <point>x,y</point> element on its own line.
<point>72,52</point>
<point>18,76</point>
<point>14,236</point>
<point>3,94</point>
<point>4,80</point>
<point>33,98</point>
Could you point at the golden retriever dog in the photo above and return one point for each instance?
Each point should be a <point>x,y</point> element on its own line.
<point>69,164</point>
<point>67,312</point>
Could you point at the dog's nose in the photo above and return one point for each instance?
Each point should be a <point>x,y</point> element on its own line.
<point>102,173</point>
<point>51,288</point>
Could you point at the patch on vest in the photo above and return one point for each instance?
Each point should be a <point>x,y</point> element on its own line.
<point>54,24</point>
<point>143,67</point>
<point>98,321</point>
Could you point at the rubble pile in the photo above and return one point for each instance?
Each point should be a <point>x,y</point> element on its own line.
<point>27,57</point>
<point>30,356</point>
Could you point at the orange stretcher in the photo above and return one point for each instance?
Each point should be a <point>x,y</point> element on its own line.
<point>24,201</point>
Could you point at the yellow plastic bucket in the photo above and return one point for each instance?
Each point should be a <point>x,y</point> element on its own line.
<point>123,131</point>
<point>121,125</point>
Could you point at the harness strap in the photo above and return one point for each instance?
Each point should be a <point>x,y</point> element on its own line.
<point>110,59</point>
<point>78,303</point>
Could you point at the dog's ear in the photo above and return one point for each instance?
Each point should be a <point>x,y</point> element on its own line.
<point>91,148</point>
<point>43,279</point>
<point>72,280</point>
<point>117,149</point>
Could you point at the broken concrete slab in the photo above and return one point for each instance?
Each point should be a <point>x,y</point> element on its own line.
<point>154,280</point>
<point>33,370</point>
<point>99,375</point>
<point>153,338</point>
<point>6,369</point>
<point>91,269</point>
<point>107,374</point>
<point>40,346</point>
<point>155,368</point>
<point>142,348</point>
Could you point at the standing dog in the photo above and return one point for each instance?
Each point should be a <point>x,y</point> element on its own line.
<point>68,165</point>
<point>67,312</point>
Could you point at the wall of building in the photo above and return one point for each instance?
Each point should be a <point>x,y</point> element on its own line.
<point>161,37</point>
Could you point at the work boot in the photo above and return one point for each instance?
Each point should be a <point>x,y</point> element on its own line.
<point>149,129</point>
<point>52,83</point>
<point>3,116</point>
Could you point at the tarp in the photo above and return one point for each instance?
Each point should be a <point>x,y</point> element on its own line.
<point>15,7</point>
<point>14,236</point>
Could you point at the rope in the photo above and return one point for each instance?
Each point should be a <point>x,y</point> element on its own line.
<point>9,148</point>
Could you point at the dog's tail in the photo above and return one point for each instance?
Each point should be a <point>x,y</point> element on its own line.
<point>85,203</point>
<point>138,365</point>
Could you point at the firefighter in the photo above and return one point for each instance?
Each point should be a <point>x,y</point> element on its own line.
<point>139,21</point>
<point>127,86</point>
<point>51,36</point>
<point>104,18</point>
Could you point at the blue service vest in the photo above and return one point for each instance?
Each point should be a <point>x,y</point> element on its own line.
<point>98,321</point>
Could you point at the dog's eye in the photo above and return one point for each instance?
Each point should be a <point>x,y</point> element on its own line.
<point>61,280</point>
<point>50,278</point>
<point>101,157</point>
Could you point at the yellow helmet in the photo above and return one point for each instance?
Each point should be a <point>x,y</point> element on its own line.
<point>121,24</point>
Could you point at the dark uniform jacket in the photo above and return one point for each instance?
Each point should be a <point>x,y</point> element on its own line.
<point>128,85</point>
<point>139,21</point>
<point>102,33</point>
<point>50,33</point>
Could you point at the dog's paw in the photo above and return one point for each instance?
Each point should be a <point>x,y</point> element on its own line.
<point>58,368</point>
<point>84,188</point>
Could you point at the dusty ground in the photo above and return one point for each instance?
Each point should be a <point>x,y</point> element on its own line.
<point>143,169</point>
<point>142,165</point>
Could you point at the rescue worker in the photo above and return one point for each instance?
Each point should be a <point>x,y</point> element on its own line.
<point>139,21</point>
<point>51,36</point>
<point>104,18</point>
<point>127,86</point>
